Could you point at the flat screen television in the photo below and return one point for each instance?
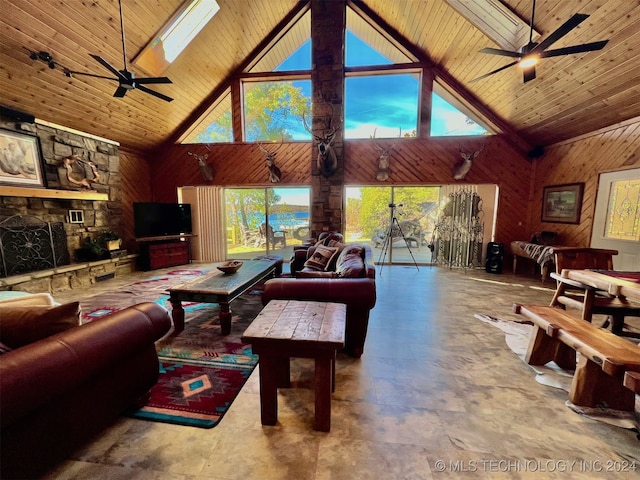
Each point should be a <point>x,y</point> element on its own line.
<point>153,219</point>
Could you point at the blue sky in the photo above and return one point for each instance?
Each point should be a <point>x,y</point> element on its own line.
<point>386,104</point>
<point>293,196</point>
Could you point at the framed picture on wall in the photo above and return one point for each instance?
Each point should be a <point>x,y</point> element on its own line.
<point>562,203</point>
<point>21,162</point>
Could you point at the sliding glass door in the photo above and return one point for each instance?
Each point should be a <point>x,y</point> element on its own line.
<point>263,221</point>
<point>398,222</point>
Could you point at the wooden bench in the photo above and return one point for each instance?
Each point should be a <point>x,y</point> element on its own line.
<point>605,358</point>
<point>293,328</point>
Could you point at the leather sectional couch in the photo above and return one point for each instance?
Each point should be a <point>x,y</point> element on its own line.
<point>348,277</point>
<point>58,391</point>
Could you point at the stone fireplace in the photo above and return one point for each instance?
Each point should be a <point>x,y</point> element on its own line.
<point>39,228</point>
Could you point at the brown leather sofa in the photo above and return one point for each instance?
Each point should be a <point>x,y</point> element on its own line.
<point>357,291</point>
<point>300,252</point>
<point>57,392</point>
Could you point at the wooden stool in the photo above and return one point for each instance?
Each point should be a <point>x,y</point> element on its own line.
<point>291,328</point>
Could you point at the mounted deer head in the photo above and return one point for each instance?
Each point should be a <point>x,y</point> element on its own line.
<point>461,168</point>
<point>205,168</point>
<point>270,159</point>
<point>383,159</point>
<point>327,160</point>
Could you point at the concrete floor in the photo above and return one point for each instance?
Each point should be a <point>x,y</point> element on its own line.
<point>437,394</point>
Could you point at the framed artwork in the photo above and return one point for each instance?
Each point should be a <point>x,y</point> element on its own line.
<point>562,203</point>
<point>21,162</point>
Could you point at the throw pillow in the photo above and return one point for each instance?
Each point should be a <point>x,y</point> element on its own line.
<point>331,266</point>
<point>24,325</point>
<point>350,263</point>
<point>320,257</point>
<point>544,238</point>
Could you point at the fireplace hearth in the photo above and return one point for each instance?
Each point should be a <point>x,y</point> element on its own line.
<point>29,244</point>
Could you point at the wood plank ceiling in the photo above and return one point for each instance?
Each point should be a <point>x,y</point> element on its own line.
<point>571,96</point>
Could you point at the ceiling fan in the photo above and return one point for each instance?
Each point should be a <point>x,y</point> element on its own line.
<point>532,52</point>
<point>125,78</point>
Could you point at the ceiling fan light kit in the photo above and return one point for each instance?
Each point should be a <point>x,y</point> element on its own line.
<point>529,61</point>
<point>533,52</point>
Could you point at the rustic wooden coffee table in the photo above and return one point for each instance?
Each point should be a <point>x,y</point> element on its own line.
<point>291,328</point>
<point>220,288</point>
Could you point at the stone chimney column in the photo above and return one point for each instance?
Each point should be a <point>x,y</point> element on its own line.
<point>328,27</point>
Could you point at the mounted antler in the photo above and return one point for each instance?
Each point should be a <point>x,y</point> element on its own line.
<point>270,158</point>
<point>77,171</point>
<point>205,168</point>
<point>461,168</point>
<point>383,159</point>
<point>327,160</point>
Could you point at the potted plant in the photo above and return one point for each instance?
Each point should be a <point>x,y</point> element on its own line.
<point>91,249</point>
<point>110,240</point>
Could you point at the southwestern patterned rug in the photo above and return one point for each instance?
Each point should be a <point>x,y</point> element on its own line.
<point>201,371</point>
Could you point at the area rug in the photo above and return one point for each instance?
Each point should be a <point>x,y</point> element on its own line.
<point>153,289</point>
<point>201,371</point>
<point>517,338</point>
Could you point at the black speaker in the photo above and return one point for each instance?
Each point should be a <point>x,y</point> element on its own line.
<point>495,257</point>
<point>7,113</point>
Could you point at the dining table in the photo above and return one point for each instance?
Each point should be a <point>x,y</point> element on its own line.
<point>609,292</point>
<point>616,283</point>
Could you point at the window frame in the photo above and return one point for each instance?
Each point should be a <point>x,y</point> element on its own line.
<point>266,77</point>
<point>388,70</point>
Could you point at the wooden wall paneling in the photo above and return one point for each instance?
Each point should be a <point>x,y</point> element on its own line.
<point>239,164</point>
<point>293,162</point>
<point>360,161</point>
<point>413,162</point>
<point>135,184</point>
<point>582,161</point>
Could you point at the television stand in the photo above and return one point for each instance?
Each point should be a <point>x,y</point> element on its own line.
<point>164,251</point>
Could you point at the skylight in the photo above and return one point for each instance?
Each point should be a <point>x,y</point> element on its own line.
<point>496,21</point>
<point>175,35</point>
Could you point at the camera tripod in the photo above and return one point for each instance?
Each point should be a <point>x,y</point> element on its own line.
<point>388,238</point>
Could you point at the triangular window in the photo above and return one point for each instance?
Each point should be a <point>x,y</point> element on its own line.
<point>366,46</point>
<point>216,126</point>
<point>291,52</point>
<point>451,117</point>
